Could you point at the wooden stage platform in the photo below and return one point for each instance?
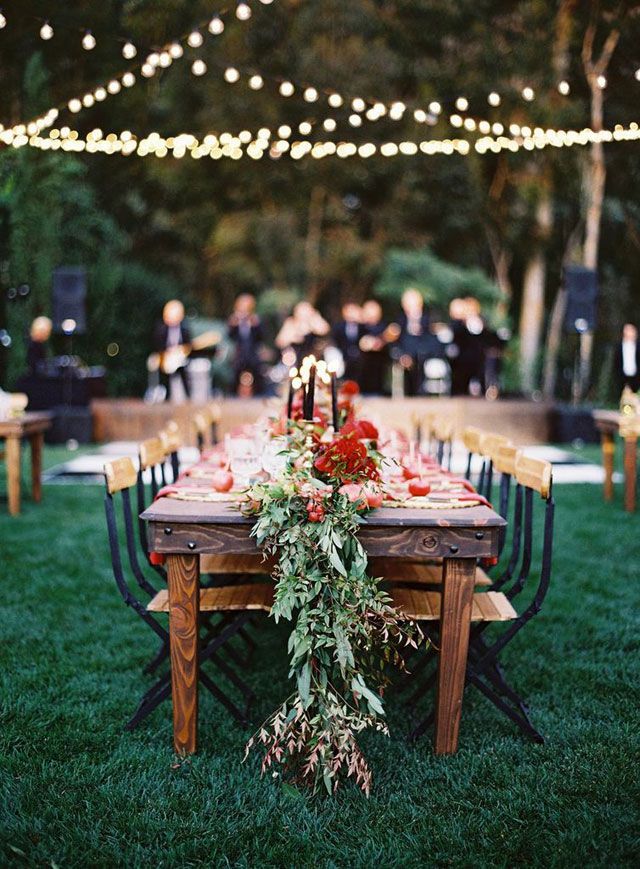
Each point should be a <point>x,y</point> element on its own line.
<point>130,419</point>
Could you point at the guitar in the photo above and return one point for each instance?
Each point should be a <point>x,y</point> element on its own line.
<point>173,358</point>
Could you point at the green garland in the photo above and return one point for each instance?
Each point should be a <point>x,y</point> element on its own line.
<point>345,635</point>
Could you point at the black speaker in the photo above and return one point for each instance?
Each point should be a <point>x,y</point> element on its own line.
<point>581,285</point>
<point>69,294</point>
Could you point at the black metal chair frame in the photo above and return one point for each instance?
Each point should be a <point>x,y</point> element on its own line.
<point>483,668</point>
<point>211,642</point>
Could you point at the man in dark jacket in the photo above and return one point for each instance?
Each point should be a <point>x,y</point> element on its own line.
<point>245,331</point>
<point>627,359</point>
<point>171,334</point>
<point>346,336</point>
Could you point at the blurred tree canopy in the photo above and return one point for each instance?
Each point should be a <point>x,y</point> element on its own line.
<point>331,229</point>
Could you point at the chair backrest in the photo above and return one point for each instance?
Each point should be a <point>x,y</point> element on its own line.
<point>202,422</point>
<point>489,445</point>
<point>504,463</point>
<point>153,456</point>
<point>471,441</point>
<point>215,412</point>
<point>120,478</point>
<point>443,431</point>
<point>171,441</point>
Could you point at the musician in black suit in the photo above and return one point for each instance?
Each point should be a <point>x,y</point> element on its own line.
<point>627,359</point>
<point>416,343</point>
<point>172,332</point>
<point>245,332</point>
<point>346,336</point>
<point>375,349</point>
<point>37,351</point>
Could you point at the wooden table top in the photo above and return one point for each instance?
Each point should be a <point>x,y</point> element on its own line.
<point>30,422</point>
<point>226,513</point>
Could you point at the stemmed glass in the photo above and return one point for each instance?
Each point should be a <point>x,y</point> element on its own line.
<point>245,460</point>
<point>274,459</point>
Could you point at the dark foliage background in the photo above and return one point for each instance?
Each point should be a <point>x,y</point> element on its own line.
<point>331,229</point>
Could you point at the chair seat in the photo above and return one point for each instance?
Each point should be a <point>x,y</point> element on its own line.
<point>236,564</point>
<point>227,598</point>
<point>424,606</point>
<point>415,572</point>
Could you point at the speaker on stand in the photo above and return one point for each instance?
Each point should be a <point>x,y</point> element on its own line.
<point>581,284</point>
<point>69,294</point>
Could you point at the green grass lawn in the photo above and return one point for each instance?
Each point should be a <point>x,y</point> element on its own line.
<point>75,790</point>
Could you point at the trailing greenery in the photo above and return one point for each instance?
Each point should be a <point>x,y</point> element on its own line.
<point>346,632</point>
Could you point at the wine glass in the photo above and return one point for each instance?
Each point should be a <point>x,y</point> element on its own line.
<point>244,460</point>
<point>274,459</point>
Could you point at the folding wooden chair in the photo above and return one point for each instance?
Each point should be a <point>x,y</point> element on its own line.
<point>488,448</point>
<point>202,422</point>
<point>484,671</point>
<point>443,432</point>
<point>238,601</point>
<point>471,440</point>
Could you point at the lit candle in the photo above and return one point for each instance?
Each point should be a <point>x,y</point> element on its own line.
<point>304,377</point>
<point>334,399</point>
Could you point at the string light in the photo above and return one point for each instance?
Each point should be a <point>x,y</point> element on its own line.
<point>564,88</point>
<point>195,39</point>
<point>494,99</point>
<point>601,81</point>
<point>231,75</point>
<point>216,25</point>
<point>88,41</point>
<point>198,67</point>
<point>256,82</point>
<point>129,50</point>
<point>528,94</point>
<point>243,11</point>
<point>46,31</point>
<point>3,20</point>
<point>287,89</point>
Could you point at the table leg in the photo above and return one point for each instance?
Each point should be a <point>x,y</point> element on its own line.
<point>608,454</point>
<point>12,459</point>
<point>37,441</point>
<point>184,605</point>
<point>455,620</point>
<point>630,471</point>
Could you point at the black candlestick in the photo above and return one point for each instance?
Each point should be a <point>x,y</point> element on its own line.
<point>334,403</point>
<point>311,393</point>
<point>290,399</point>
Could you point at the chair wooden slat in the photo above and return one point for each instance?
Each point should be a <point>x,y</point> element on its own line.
<point>151,453</point>
<point>170,440</point>
<point>490,444</point>
<point>414,572</point>
<point>228,598</point>
<point>504,460</point>
<point>536,474</point>
<point>490,606</point>
<point>471,437</point>
<point>236,564</point>
<point>120,474</point>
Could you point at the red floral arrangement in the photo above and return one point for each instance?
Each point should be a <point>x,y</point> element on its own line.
<point>346,458</point>
<point>349,388</point>
<point>361,429</point>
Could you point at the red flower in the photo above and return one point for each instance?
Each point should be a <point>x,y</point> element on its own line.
<point>362,429</point>
<point>346,458</point>
<point>349,388</point>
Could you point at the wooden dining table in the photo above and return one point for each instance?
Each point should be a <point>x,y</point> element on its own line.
<point>184,530</point>
<point>611,424</point>
<point>31,426</point>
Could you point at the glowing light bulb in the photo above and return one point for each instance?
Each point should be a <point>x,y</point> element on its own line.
<point>355,120</point>
<point>198,67</point>
<point>563,88</point>
<point>129,50</point>
<point>420,116</point>
<point>435,108</point>
<point>462,104</point>
<point>176,50</point>
<point>3,20</point>
<point>147,70</point>
<point>284,131</point>
<point>231,75</point>
<point>88,41</point>
<point>114,86</point>
<point>494,99</point>
<point>528,94</point>
<point>216,25</point>
<point>256,82</point>
<point>46,31</point>
<point>128,79</point>
<point>358,105</point>
<point>637,74</point>
<point>100,94</point>
<point>304,128</point>
<point>243,11</point>
<point>329,124</point>
<point>335,101</point>
<point>75,105</point>
<point>195,39</point>
<point>310,95</point>
<point>601,81</point>
<point>287,89</point>
<point>88,100</point>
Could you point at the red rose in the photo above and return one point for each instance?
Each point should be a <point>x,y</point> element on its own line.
<point>346,458</point>
<point>349,388</point>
